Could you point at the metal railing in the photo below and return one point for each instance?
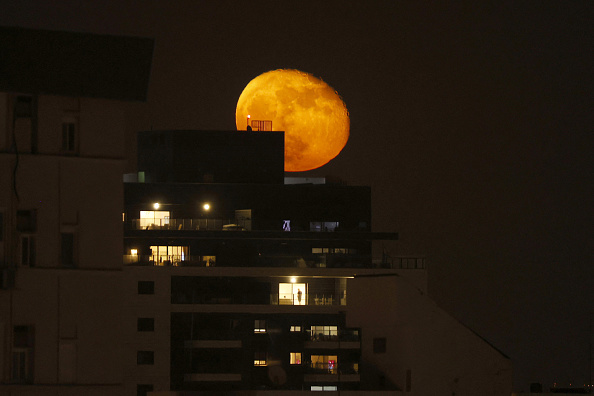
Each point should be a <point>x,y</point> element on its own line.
<point>208,224</point>
<point>306,299</point>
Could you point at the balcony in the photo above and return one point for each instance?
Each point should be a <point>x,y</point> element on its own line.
<point>307,299</point>
<point>264,260</point>
<point>201,224</point>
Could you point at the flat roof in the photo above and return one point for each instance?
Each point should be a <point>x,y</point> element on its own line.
<point>74,64</point>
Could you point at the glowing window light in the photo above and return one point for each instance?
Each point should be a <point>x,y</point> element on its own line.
<point>156,205</point>
<point>134,252</point>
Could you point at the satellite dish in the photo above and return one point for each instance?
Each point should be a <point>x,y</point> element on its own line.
<point>277,375</point>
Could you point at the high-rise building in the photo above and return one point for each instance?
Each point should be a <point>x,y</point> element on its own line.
<point>217,275</point>
<point>62,135</point>
<point>240,280</point>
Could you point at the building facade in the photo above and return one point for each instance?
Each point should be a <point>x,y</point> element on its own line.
<point>61,160</point>
<point>208,271</point>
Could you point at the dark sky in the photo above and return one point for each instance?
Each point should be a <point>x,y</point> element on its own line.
<point>472,122</point>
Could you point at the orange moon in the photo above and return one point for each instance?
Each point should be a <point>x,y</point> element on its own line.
<point>310,112</point>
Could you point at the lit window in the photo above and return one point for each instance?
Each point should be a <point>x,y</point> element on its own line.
<point>324,363</point>
<point>168,255</point>
<point>154,219</point>
<point>134,252</point>
<point>260,358</point>
<point>295,357</point>
<point>259,326</point>
<point>287,225</point>
<point>296,329</point>
<point>292,293</point>
<point>320,388</point>
<point>324,333</point>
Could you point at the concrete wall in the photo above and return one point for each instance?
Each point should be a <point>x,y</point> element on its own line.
<point>427,351</point>
<point>76,312</point>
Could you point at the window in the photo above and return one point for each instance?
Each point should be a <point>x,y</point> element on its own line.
<point>296,329</point>
<point>145,357</point>
<point>259,326</point>
<point>1,226</point>
<point>68,249</point>
<point>295,358</point>
<point>28,250</point>
<point>322,226</point>
<point>23,354</point>
<point>23,107</point>
<point>379,345</point>
<point>26,220</point>
<point>292,293</point>
<point>151,219</point>
<point>69,135</point>
<point>260,358</point>
<point>143,389</point>
<point>168,255</point>
<point>145,324</point>
<point>330,388</point>
<point>324,363</point>
<point>324,333</point>
<point>146,287</point>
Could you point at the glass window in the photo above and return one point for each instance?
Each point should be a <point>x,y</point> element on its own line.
<point>143,389</point>
<point>295,358</point>
<point>296,329</point>
<point>146,287</point>
<point>260,358</point>
<point>324,363</point>
<point>324,333</point>
<point>292,293</point>
<point>154,219</point>
<point>69,132</point>
<point>168,255</point>
<point>68,249</point>
<point>28,251</point>
<point>145,357</point>
<point>259,326</point>
<point>145,324</point>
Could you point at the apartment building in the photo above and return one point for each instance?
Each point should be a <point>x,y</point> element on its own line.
<point>62,128</point>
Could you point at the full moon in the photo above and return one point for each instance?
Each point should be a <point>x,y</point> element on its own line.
<point>310,112</point>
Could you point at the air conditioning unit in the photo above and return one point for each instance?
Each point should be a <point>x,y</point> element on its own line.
<point>6,278</point>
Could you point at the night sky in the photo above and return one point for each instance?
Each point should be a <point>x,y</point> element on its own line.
<point>472,122</point>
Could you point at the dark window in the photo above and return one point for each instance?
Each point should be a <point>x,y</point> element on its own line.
<point>143,389</point>
<point>145,324</point>
<point>23,343</point>
<point>23,107</point>
<point>145,357</point>
<point>146,287</point>
<point>28,250</point>
<point>379,345</point>
<point>69,136</point>
<point>26,221</point>
<point>68,259</point>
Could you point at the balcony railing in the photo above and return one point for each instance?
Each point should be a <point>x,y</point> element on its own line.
<point>208,224</point>
<point>307,299</point>
<point>265,260</point>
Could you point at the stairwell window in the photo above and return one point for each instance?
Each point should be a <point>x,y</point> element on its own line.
<point>70,135</point>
